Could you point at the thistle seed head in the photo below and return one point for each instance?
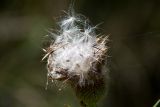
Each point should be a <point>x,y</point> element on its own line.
<point>76,51</point>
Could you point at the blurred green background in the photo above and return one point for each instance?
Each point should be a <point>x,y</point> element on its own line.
<point>134,65</point>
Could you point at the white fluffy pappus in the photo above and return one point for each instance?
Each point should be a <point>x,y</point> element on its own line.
<point>76,51</point>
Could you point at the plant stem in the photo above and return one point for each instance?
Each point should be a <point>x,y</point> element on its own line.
<point>89,105</point>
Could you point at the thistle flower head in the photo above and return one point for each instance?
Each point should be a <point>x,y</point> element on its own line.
<point>76,51</point>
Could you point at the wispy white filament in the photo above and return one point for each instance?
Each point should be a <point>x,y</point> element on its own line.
<point>75,50</point>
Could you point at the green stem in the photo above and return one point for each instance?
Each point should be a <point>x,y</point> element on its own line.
<point>89,94</point>
<point>89,105</point>
<point>157,104</point>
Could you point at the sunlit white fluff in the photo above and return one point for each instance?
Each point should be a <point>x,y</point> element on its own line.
<point>75,50</point>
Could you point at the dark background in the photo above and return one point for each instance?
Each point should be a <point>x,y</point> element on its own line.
<point>134,62</point>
